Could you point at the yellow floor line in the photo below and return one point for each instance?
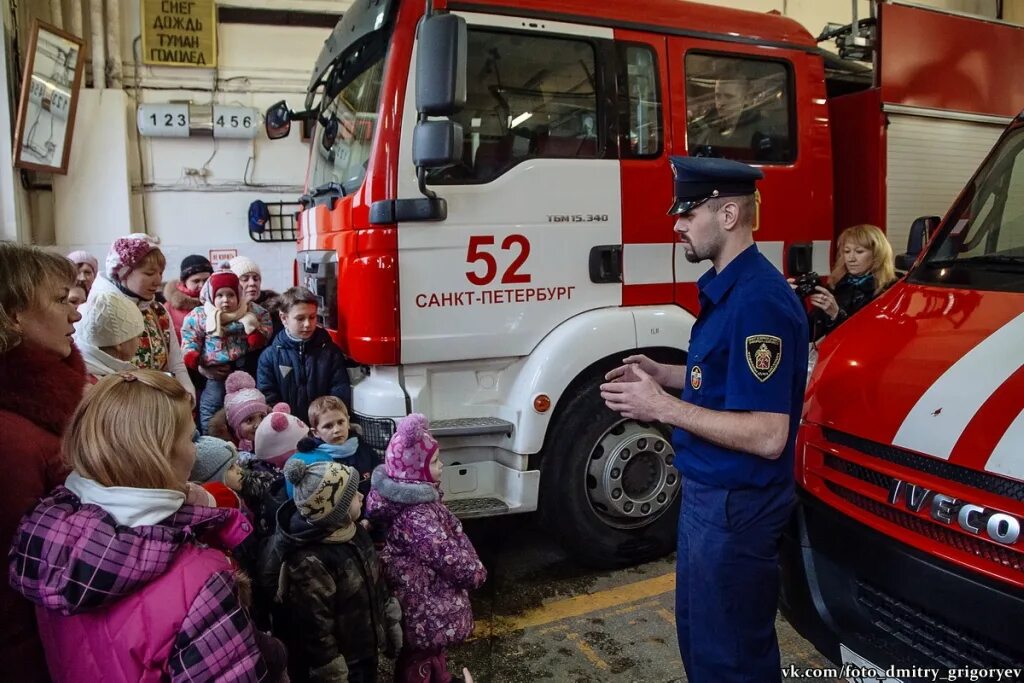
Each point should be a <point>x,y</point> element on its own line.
<point>577,606</point>
<point>633,608</point>
<point>587,651</point>
<point>667,616</point>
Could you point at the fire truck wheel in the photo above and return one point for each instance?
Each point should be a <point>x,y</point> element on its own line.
<point>608,486</point>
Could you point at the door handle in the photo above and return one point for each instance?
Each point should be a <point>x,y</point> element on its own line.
<point>606,263</point>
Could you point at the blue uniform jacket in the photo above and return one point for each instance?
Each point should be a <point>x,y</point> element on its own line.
<point>748,352</point>
<point>298,372</point>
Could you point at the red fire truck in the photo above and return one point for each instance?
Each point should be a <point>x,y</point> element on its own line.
<point>485,223</point>
<point>906,549</point>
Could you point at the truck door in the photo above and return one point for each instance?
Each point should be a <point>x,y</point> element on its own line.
<point>533,233</point>
<point>741,101</point>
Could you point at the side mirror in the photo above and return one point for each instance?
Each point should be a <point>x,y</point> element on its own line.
<point>436,144</point>
<point>921,232</point>
<point>278,120</point>
<point>441,65</point>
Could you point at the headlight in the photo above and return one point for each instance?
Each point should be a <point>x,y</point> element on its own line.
<point>812,360</point>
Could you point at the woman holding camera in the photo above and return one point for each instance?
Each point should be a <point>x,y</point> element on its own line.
<point>865,267</point>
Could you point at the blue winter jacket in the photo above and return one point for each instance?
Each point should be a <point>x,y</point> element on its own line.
<point>298,372</point>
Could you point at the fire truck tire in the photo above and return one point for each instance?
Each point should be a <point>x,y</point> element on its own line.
<point>608,488</point>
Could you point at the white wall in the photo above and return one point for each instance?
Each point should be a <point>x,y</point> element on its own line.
<point>113,184</point>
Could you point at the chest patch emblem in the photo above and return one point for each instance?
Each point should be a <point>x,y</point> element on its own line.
<point>696,377</point>
<point>285,370</point>
<point>764,353</point>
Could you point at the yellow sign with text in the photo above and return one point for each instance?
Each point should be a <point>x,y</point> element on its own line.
<point>179,33</point>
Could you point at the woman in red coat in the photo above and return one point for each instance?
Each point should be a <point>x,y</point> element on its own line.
<point>42,377</point>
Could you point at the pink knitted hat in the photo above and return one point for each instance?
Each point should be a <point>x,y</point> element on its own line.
<point>410,450</point>
<point>278,435</point>
<point>79,257</point>
<point>242,398</point>
<point>126,253</point>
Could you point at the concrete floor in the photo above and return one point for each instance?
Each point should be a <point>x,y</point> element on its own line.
<point>543,617</point>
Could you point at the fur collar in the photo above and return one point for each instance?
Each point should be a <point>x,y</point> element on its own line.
<point>177,297</point>
<point>407,492</point>
<point>40,387</point>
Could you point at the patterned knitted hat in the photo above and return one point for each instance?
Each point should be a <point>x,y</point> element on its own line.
<point>217,281</point>
<point>192,264</point>
<point>108,319</point>
<point>410,450</point>
<point>126,253</point>
<point>242,265</point>
<point>213,459</point>
<point>242,399</point>
<point>323,491</point>
<point>278,435</point>
<point>79,257</point>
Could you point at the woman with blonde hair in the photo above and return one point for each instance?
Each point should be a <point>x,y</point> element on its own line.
<point>133,582</point>
<point>864,268</point>
<point>42,378</point>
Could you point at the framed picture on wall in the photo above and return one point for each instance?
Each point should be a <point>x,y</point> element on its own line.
<point>49,98</point>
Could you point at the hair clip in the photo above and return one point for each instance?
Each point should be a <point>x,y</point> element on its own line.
<point>129,377</point>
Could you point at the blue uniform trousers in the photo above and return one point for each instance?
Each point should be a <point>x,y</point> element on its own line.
<point>727,581</point>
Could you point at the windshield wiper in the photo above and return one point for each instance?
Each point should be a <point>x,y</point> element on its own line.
<point>983,260</point>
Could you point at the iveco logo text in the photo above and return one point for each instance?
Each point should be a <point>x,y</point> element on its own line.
<point>975,519</point>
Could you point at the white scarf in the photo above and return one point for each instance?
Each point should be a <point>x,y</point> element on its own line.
<point>128,506</point>
<point>216,319</point>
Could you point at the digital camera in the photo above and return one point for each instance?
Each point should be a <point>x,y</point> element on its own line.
<point>806,283</point>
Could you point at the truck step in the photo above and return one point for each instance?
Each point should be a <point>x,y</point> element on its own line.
<point>467,508</point>
<point>470,426</point>
<point>486,489</point>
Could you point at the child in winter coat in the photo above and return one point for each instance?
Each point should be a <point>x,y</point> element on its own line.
<point>332,608</point>
<point>277,439</point>
<point>302,363</point>
<point>243,411</point>
<point>108,334</point>
<point>182,295</point>
<point>134,268</point>
<point>220,333</point>
<point>132,582</point>
<point>338,438</point>
<point>428,560</point>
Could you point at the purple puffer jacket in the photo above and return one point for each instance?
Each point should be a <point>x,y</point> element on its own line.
<point>149,603</point>
<point>429,562</point>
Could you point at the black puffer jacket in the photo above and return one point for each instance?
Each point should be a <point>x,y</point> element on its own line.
<point>297,372</point>
<point>852,294</point>
<point>332,608</point>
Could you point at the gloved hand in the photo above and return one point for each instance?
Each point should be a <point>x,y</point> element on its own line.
<point>255,340</point>
<point>393,627</point>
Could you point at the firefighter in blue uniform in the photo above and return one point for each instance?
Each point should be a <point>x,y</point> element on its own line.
<point>735,425</point>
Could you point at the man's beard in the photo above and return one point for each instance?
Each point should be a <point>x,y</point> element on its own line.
<point>711,249</point>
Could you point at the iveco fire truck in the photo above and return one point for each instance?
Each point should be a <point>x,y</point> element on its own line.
<point>906,554</point>
<point>485,223</point>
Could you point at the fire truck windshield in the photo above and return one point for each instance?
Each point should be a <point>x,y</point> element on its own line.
<point>981,245</point>
<point>343,136</point>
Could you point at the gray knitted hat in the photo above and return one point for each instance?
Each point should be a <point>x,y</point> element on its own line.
<point>323,491</point>
<point>213,459</point>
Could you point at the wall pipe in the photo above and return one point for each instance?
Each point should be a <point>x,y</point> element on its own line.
<point>56,14</point>
<point>99,54</point>
<point>75,19</point>
<point>114,67</point>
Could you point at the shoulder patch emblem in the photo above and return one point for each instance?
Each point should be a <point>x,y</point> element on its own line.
<point>764,353</point>
<point>696,377</point>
